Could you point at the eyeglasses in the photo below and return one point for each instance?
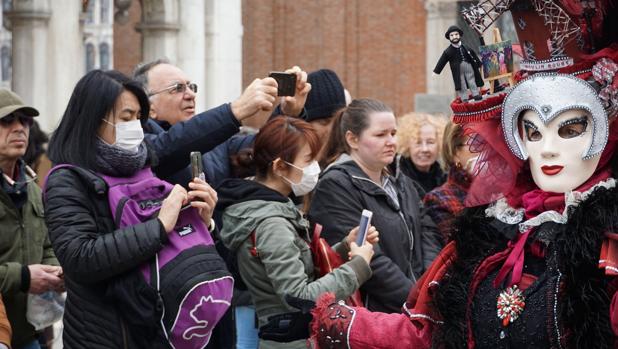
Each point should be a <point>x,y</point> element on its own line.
<point>8,120</point>
<point>179,87</point>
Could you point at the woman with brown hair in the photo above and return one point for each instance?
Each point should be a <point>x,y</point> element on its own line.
<point>269,234</point>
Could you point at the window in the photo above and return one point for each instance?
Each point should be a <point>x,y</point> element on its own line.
<point>105,11</point>
<point>89,57</point>
<point>7,5</point>
<point>6,64</point>
<point>90,12</point>
<point>104,56</point>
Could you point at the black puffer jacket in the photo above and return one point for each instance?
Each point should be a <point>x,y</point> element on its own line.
<point>95,256</point>
<point>409,240</point>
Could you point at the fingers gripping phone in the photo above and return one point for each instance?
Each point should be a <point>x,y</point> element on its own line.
<point>197,169</point>
<point>286,83</point>
<point>365,222</point>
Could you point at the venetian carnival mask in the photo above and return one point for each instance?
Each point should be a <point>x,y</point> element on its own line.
<point>557,122</point>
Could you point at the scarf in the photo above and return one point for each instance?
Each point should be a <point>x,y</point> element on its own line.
<point>117,162</point>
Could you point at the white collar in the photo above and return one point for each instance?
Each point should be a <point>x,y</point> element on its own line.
<point>509,215</point>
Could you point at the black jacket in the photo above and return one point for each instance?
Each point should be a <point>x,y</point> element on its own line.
<point>95,257</point>
<point>425,181</point>
<point>452,56</point>
<point>203,132</point>
<point>409,240</point>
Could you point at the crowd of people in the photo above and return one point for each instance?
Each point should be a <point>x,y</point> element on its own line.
<point>510,213</point>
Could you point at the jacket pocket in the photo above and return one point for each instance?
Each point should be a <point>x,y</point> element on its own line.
<point>305,255</point>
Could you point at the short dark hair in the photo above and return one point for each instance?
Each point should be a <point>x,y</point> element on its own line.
<point>93,98</point>
<point>140,73</point>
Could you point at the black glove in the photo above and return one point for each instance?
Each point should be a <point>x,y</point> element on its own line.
<point>289,327</point>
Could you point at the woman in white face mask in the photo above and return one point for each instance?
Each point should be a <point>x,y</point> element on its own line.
<point>445,202</point>
<point>270,236</point>
<point>100,134</point>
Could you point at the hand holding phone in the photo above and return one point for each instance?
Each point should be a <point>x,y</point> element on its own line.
<point>365,222</point>
<point>197,169</point>
<point>286,83</point>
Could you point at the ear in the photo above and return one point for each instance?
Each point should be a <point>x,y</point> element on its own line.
<point>351,139</point>
<point>278,167</point>
<point>153,112</point>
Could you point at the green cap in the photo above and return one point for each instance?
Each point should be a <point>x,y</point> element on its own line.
<point>10,103</point>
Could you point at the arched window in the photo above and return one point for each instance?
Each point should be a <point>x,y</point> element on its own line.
<point>6,64</point>
<point>89,57</point>
<point>105,11</point>
<point>7,5</point>
<point>104,56</point>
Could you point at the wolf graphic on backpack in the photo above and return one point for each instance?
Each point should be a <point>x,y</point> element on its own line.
<point>193,284</point>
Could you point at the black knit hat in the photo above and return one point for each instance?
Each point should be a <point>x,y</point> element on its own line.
<point>326,95</point>
<point>451,29</point>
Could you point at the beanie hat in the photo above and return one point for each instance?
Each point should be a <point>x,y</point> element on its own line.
<point>326,95</point>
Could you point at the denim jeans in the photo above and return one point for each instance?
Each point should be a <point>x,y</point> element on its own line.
<point>246,329</point>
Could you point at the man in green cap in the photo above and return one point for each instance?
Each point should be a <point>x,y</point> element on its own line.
<point>27,261</point>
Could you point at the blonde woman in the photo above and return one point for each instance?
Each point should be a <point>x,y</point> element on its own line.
<point>418,145</point>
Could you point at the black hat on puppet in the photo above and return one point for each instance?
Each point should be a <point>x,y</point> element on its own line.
<point>451,29</point>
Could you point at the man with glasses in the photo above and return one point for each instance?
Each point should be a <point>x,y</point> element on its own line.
<point>27,261</point>
<point>173,117</point>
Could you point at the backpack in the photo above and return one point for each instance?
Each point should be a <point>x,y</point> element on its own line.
<point>194,288</point>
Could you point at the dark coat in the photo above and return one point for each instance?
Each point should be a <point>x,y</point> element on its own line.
<point>424,181</point>
<point>409,240</point>
<point>95,256</point>
<point>453,58</point>
<point>203,132</point>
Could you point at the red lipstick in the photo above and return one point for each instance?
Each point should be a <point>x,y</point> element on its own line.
<point>551,170</point>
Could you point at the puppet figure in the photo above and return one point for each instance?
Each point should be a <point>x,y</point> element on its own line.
<point>464,63</point>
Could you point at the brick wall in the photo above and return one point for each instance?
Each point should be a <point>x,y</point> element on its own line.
<point>376,47</point>
<point>128,41</point>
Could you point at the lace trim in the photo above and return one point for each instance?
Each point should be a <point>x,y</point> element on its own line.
<point>509,215</point>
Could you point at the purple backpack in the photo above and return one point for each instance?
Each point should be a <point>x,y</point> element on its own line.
<point>190,277</point>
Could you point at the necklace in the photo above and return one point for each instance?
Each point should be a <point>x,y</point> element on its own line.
<point>511,303</point>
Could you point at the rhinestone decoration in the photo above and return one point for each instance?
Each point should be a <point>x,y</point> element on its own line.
<point>558,92</point>
<point>546,109</point>
<point>511,303</point>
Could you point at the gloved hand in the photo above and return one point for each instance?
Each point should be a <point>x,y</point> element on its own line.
<point>289,327</point>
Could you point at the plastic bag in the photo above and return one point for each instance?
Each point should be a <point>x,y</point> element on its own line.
<point>45,309</point>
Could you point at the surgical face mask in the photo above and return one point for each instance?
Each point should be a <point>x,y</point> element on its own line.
<point>308,181</point>
<point>129,135</point>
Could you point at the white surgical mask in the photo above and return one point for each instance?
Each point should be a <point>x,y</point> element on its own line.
<point>129,135</point>
<point>309,179</point>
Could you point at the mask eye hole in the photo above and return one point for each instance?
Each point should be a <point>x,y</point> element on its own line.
<point>573,128</point>
<point>532,132</point>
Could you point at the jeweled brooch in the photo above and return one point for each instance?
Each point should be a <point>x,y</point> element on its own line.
<point>511,303</point>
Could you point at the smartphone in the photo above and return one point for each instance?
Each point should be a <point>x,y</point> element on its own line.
<point>286,83</point>
<point>365,222</point>
<point>197,169</point>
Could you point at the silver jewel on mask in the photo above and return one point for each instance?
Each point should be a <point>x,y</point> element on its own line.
<point>549,95</point>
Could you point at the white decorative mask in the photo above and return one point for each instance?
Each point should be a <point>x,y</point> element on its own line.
<point>309,180</point>
<point>555,149</point>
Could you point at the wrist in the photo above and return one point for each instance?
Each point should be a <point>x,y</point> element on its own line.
<point>236,110</point>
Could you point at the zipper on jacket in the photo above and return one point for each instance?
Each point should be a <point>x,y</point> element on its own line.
<point>124,333</point>
<point>410,235</point>
<point>119,208</point>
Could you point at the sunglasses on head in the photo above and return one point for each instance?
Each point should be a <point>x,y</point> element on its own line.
<point>25,120</point>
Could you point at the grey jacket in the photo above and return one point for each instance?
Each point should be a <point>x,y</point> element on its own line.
<point>283,264</point>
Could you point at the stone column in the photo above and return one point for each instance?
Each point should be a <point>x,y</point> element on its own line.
<point>159,27</point>
<point>29,22</point>
<point>191,47</point>
<point>224,33</point>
